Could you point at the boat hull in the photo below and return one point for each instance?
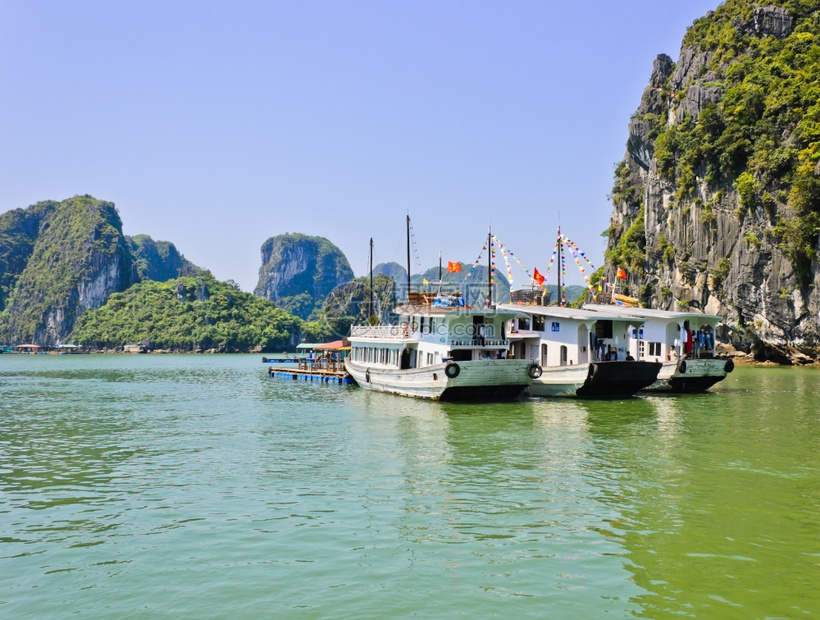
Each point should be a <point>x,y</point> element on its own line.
<point>475,380</point>
<point>596,380</point>
<point>696,375</point>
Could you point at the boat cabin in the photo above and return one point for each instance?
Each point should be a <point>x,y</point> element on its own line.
<point>559,336</point>
<point>667,336</point>
<point>427,335</point>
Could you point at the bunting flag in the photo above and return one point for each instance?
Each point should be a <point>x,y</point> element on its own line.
<point>537,277</point>
<point>507,253</point>
<point>453,267</point>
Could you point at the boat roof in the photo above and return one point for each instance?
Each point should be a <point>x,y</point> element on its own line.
<point>563,312</point>
<point>334,346</point>
<point>307,345</point>
<point>425,310</point>
<point>650,313</point>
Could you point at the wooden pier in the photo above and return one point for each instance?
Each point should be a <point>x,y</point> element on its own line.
<point>329,371</point>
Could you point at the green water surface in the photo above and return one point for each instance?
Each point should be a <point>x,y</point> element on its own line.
<point>195,486</point>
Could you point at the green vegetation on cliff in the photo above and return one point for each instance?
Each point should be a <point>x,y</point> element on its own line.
<point>349,304</point>
<point>19,230</point>
<point>160,260</point>
<point>190,314</point>
<point>760,134</point>
<point>77,257</point>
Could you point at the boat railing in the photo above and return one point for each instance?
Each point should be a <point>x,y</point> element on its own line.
<point>477,342</point>
<point>323,365</point>
<point>379,331</point>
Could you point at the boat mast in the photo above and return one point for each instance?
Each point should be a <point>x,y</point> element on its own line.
<point>408,257</point>
<point>370,313</point>
<point>560,262</point>
<point>489,266</point>
<point>439,272</point>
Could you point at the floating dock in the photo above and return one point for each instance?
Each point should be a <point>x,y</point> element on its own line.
<point>303,373</point>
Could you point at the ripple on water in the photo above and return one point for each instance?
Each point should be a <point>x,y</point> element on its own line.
<point>197,486</point>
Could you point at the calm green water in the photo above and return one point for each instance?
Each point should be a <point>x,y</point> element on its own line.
<point>194,486</point>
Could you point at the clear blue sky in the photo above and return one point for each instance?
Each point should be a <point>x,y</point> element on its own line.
<point>216,125</point>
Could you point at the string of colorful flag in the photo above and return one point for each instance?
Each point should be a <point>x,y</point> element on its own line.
<point>473,268</point>
<point>505,251</point>
<point>536,277</point>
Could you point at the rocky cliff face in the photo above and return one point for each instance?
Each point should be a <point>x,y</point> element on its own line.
<point>19,230</point>
<point>716,204</point>
<point>78,256</point>
<point>299,271</point>
<point>160,260</point>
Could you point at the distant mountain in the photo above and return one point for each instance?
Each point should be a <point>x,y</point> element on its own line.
<point>59,260</point>
<point>392,270</point>
<point>160,260</point>
<point>298,272</point>
<point>349,303</point>
<point>472,286</point>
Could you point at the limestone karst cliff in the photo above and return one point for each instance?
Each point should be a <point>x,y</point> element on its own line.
<point>716,204</point>
<point>298,272</point>
<point>67,258</point>
<point>60,259</point>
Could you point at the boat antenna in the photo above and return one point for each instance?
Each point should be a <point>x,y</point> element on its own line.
<point>370,312</point>
<point>408,257</point>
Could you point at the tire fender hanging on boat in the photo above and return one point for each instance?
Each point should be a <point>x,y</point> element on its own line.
<point>452,370</point>
<point>682,367</point>
<point>534,371</point>
<point>729,366</point>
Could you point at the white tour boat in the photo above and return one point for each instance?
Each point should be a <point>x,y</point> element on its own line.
<point>683,342</point>
<point>582,353</point>
<point>440,350</point>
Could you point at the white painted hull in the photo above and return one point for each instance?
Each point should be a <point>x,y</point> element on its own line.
<point>700,375</point>
<point>559,381</point>
<point>502,378</point>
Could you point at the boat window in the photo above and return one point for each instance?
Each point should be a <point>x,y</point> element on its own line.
<point>524,323</point>
<point>543,355</point>
<point>538,323</point>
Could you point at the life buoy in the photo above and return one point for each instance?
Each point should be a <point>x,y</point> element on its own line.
<point>534,371</point>
<point>367,375</point>
<point>452,370</point>
<point>729,366</point>
<point>682,367</point>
